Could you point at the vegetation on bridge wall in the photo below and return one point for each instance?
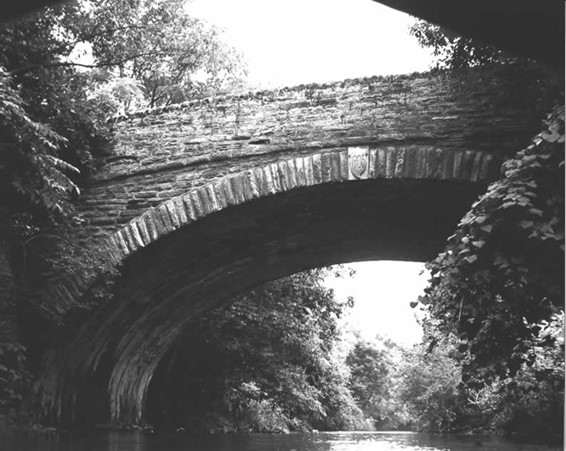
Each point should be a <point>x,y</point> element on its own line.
<point>502,271</point>
<point>498,287</point>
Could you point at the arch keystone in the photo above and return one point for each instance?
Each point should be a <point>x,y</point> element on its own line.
<point>358,163</point>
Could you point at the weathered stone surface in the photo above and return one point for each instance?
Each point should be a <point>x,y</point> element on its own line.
<point>163,153</point>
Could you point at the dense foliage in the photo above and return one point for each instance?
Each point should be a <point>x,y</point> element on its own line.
<point>375,383</point>
<point>454,51</point>
<point>264,362</point>
<point>369,368</point>
<point>502,272</point>
<point>421,388</point>
<point>29,156</point>
<point>497,289</point>
<point>429,387</point>
<point>154,53</point>
<point>531,403</point>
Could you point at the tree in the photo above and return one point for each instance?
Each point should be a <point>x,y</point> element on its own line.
<point>371,382</point>
<point>429,385</point>
<point>174,56</point>
<point>263,362</point>
<point>30,165</point>
<point>454,51</point>
<point>32,178</point>
<point>531,403</point>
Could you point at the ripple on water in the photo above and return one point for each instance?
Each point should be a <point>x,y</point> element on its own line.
<point>334,441</point>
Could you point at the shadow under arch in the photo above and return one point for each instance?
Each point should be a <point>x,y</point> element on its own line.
<point>199,249</point>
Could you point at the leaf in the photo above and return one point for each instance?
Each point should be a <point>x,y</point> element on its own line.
<point>471,258</point>
<point>551,137</point>
<point>525,224</point>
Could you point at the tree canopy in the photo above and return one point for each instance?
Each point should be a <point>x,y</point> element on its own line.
<point>454,51</point>
<point>66,69</point>
<point>264,362</point>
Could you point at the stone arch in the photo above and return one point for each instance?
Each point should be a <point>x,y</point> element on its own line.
<point>320,168</point>
<point>417,163</point>
<point>136,344</point>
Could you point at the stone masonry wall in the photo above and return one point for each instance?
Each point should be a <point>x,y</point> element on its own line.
<point>162,153</point>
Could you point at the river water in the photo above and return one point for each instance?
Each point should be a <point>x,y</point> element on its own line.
<point>334,441</point>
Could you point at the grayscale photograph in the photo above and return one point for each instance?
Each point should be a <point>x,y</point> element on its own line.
<point>302,225</point>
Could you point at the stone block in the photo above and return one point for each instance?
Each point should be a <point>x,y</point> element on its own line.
<point>317,168</point>
<point>326,165</point>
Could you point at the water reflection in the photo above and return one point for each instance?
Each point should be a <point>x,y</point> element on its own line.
<point>338,441</point>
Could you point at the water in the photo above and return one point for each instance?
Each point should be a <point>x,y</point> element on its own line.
<point>335,441</point>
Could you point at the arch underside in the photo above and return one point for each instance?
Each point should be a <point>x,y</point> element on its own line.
<point>172,280</point>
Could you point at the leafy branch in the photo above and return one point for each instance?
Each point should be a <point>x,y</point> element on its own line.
<point>502,271</point>
<point>33,167</point>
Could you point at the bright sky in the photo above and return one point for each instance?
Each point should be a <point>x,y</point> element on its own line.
<point>295,42</point>
<point>382,291</point>
<point>304,41</point>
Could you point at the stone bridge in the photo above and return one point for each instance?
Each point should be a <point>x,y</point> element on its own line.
<point>198,201</point>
